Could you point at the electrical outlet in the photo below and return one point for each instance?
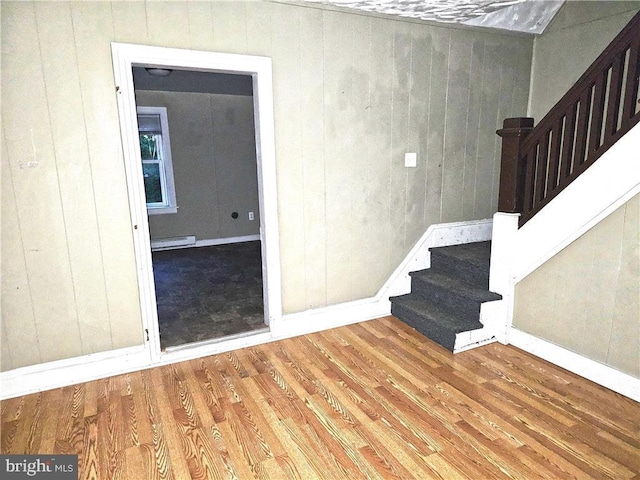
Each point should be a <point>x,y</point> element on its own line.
<point>250,215</point>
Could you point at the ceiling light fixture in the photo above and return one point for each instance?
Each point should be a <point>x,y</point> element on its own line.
<point>158,72</point>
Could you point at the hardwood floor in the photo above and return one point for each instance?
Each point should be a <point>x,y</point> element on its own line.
<point>371,400</point>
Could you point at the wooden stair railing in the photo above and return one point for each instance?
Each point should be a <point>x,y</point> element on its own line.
<point>603,105</point>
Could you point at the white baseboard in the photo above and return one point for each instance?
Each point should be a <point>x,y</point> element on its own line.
<point>170,243</point>
<point>210,242</point>
<point>86,368</point>
<point>332,316</point>
<point>603,375</point>
<point>61,373</point>
<point>516,252</point>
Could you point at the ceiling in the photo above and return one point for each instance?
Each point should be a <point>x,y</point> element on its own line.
<point>528,16</point>
<point>192,81</point>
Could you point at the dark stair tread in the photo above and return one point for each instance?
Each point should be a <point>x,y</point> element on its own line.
<point>454,285</point>
<point>445,299</point>
<point>476,253</point>
<point>435,314</point>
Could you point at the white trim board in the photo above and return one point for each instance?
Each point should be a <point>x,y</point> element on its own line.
<point>210,242</point>
<point>603,375</point>
<point>419,258</point>
<point>516,252</point>
<point>61,373</point>
<point>86,368</point>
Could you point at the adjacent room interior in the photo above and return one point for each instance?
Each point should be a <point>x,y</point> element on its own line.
<point>197,143</point>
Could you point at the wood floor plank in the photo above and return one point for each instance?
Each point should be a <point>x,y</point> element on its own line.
<point>23,430</point>
<point>290,458</point>
<point>203,459</point>
<point>529,388</point>
<point>417,404</point>
<point>374,400</point>
<point>564,388</point>
<point>313,451</point>
<point>237,464</point>
<point>565,410</point>
<point>159,465</point>
<point>380,456</point>
<point>166,429</point>
<point>90,458</point>
<point>506,411</point>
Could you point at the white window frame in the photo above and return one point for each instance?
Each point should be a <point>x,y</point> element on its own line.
<point>168,187</point>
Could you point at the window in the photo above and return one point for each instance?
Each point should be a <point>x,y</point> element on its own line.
<point>157,169</point>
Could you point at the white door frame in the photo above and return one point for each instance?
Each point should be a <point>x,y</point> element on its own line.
<point>126,56</point>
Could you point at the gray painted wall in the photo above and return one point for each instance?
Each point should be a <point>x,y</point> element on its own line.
<point>353,93</point>
<point>587,297</point>
<point>214,163</point>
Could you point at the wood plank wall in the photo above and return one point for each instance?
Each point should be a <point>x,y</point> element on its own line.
<point>353,93</point>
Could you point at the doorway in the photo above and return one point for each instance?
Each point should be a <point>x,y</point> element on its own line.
<point>126,57</point>
<point>197,140</point>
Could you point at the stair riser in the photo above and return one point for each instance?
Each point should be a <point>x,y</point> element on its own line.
<point>431,330</point>
<point>471,274</point>
<point>465,307</point>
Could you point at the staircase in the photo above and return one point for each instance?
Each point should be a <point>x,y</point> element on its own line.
<point>445,299</point>
<point>537,164</point>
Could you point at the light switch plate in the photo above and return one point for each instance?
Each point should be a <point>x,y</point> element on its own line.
<point>410,159</point>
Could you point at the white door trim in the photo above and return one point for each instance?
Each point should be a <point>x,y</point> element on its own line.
<point>125,56</point>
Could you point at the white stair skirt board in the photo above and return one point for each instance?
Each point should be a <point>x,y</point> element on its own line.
<point>419,258</point>
<point>92,367</point>
<point>597,372</point>
<point>156,246</point>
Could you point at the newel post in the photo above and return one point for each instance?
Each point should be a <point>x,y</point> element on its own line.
<point>512,168</point>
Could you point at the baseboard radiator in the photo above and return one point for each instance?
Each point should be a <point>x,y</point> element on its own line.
<point>173,242</point>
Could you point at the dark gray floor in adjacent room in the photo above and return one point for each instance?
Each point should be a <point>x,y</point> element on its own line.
<point>208,292</point>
